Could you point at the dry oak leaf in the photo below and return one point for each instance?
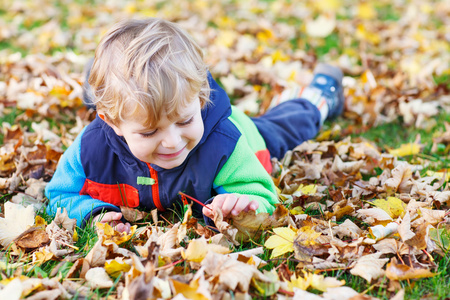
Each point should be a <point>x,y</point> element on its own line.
<point>342,293</point>
<point>348,228</point>
<point>369,266</point>
<point>198,248</point>
<point>97,256</point>
<point>32,238</point>
<point>62,219</point>
<point>17,219</point>
<point>400,181</point>
<point>226,229</point>
<point>230,273</point>
<point>392,246</point>
<point>372,215</point>
<point>250,224</point>
<point>98,278</point>
<point>300,294</point>
<point>349,167</point>
<point>133,214</point>
<point>432,216</point>
<point>396,271</point>
<point>404,229</point>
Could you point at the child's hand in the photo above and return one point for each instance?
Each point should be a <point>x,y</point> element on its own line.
<point>113,218</point>
<point>230,203</point>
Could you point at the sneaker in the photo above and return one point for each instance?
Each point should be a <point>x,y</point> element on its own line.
<point>328,79</point>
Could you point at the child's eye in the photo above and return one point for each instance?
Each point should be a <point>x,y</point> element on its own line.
<point>186,122</point>
<point>148,134</point>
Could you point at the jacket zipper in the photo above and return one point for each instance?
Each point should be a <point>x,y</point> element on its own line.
<point>155,188</point>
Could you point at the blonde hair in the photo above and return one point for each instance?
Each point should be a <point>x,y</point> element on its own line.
<point>147,66</point>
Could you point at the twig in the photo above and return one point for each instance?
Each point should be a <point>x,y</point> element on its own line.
<point>193,199</point>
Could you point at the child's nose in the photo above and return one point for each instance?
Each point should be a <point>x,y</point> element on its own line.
<point>172,139</point>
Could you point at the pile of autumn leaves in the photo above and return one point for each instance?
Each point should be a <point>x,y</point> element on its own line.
<point>370,225</point>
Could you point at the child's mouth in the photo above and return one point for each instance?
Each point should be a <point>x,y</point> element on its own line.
<point>171,155</point>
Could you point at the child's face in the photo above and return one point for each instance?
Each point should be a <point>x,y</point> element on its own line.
<point>169,143</point>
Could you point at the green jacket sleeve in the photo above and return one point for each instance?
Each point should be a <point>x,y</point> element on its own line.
<point>243,174</point>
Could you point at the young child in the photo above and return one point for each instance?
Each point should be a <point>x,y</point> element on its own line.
<point>164,125</point>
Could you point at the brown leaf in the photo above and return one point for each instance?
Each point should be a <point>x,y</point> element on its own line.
<point>369,266</point>
<point>97,256</point>
<point>230,273</point>
<point>250,224</point>
<point>32,238</point>
<point>133,215</point>
<point>396,271</point>
<point>62,219</point>
<point>81,265</point>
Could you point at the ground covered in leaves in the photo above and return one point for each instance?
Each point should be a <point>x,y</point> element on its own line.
<point>358,219</point>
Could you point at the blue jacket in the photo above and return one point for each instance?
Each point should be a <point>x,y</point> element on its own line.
<point>99,173</point>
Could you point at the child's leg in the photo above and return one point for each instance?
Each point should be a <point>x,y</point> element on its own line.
<point>297,114</point>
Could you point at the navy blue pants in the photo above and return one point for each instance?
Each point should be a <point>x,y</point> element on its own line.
<point>287,125</point>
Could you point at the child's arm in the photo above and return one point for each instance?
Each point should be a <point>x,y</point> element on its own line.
<point>249,184</point>
<point>64,188</point>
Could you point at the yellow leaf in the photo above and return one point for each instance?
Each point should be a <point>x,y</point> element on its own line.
<point>296,211</point>
<point>75,235</point>
<point>440,174</point>
<point>40,257</point>
<point>39,222</point>
<point>406,149</point>
<point>366,11</point>
<point>309,189</point>
<point>116,266</point>
<point>322,283</point>
<point>392,205</point>
<point>113,235</point>
<point>197,250</point>
<point>282,242</point>
<point>226,38</point>
<point>278,55</point>
<point>189,291</point>
<point>300,283</point>
<point>264,36</point>
<point>328,5</point>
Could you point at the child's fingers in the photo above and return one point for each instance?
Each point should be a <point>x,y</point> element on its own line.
<point>208,212</point>
<point>254,205</point>
<point>108,217</point>
<point>241,204</point>
<point>229,204</point>
<point>123,227</point>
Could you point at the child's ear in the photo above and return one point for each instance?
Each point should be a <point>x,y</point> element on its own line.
<point>107,121</point>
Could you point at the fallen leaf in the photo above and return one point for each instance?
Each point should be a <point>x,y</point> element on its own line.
<point>97,278</point>
<point>231,273</point>
<point>115,267</point>
<point>369,266</point>
<point>396,271</point>
<point>404,229</point>
<point>32,238</point>
<point>198,248</point>
<point>17,219</point>
<point>406,149</point>
<point>392,205</point>
<point>281,242</point>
